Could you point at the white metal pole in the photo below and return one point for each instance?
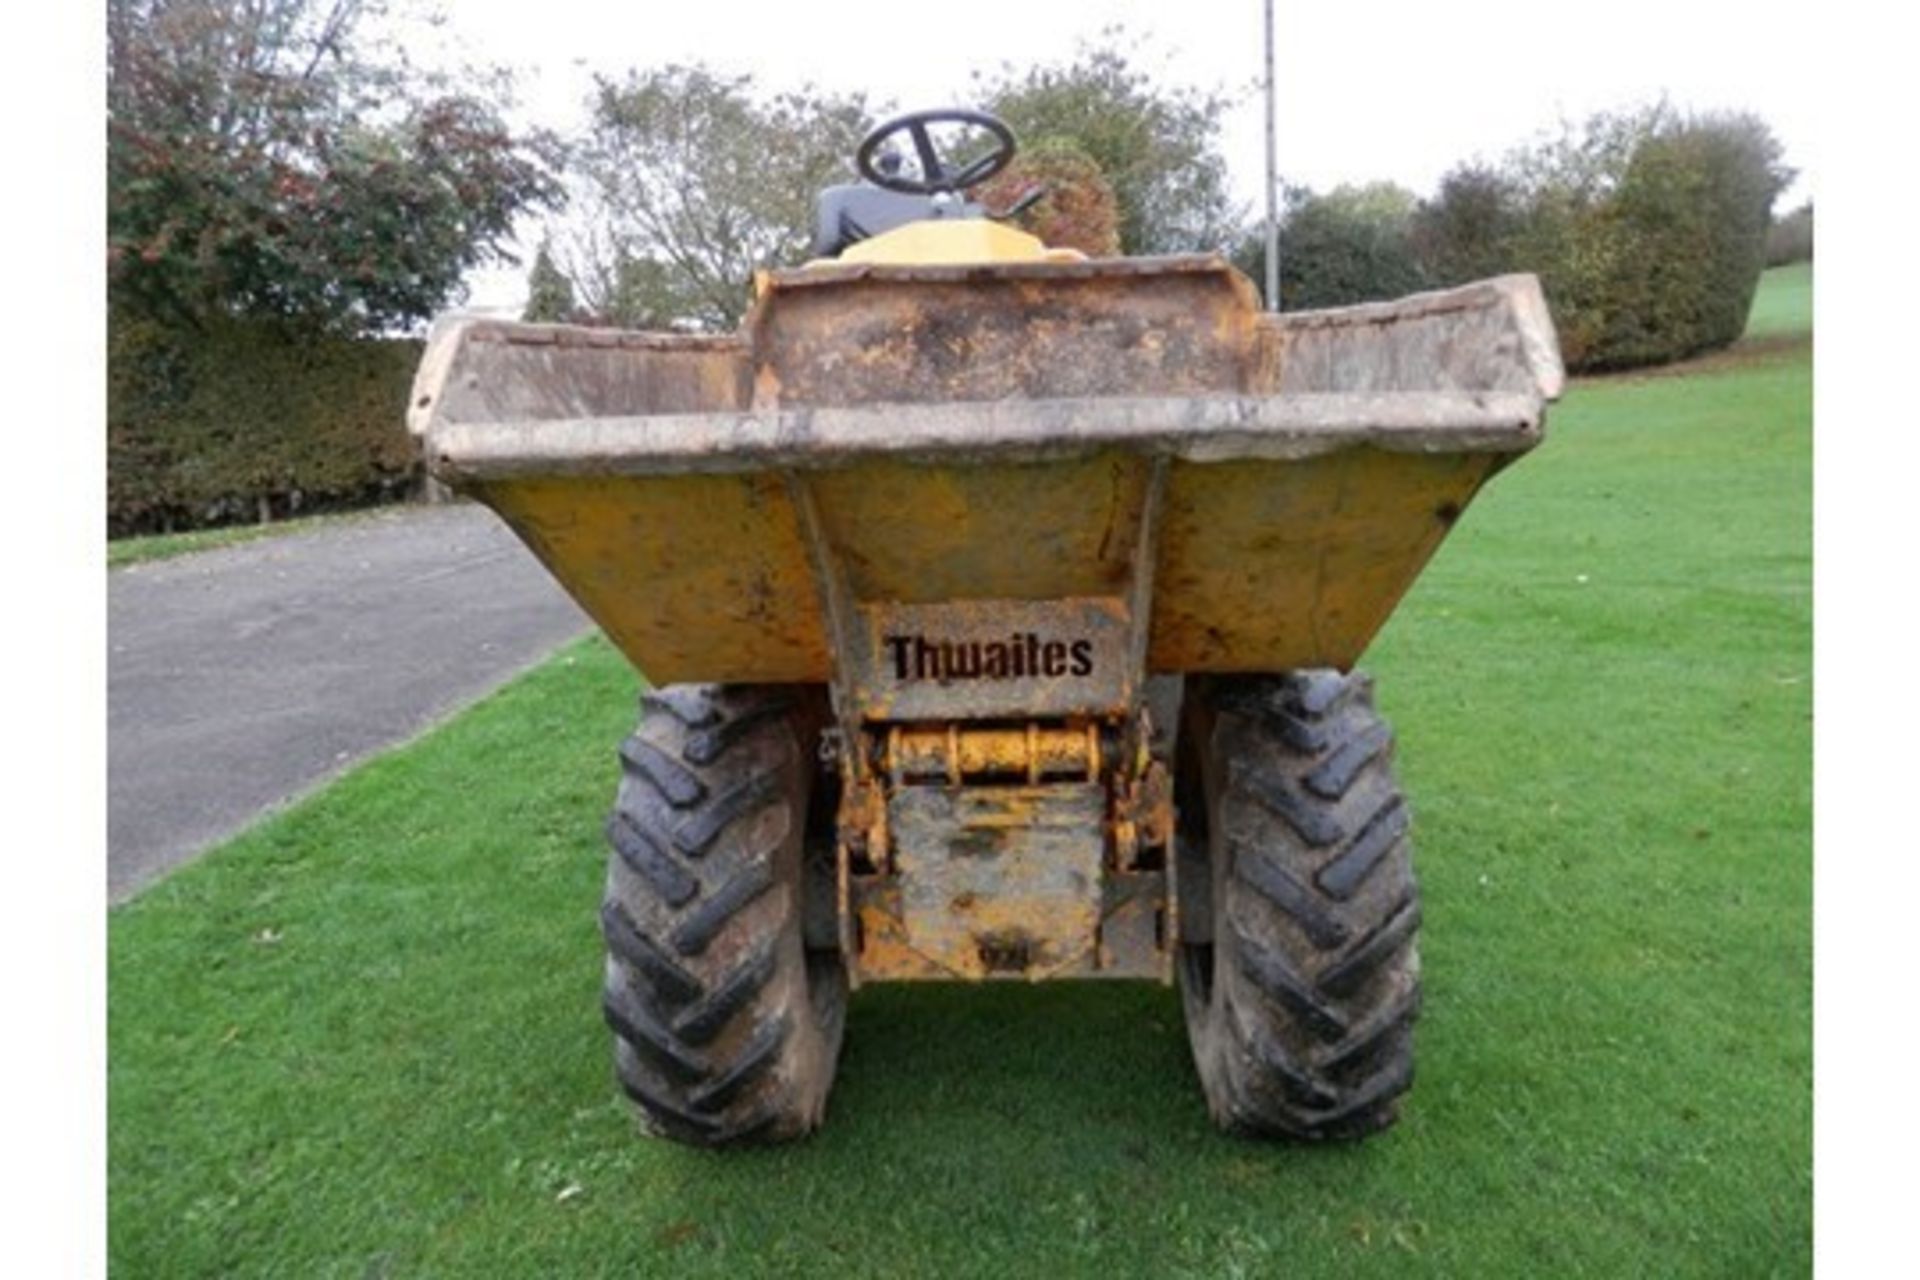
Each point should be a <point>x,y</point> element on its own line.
<point>1273,182</point>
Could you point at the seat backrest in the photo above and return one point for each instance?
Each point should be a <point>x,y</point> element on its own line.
<point>847,214</point>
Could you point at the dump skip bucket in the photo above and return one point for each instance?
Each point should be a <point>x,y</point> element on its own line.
<point>994,459</point>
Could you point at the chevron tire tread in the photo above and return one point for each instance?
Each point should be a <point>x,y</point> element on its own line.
<point>726,1028</point>
<point>1300,1006</point>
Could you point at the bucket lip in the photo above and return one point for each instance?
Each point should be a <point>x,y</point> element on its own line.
<point>1520,295</point>
<point>1215,428</point>
<point>1523,335</point>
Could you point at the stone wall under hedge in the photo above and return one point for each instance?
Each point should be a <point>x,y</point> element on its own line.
<point>239,420</point>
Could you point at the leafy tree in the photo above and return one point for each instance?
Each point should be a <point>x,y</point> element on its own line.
<point>1583,161</point>
<point>1079,210</point>
<point>262,162</point>
<point>549,292</point>
<point>1790,239</point>
<point>1158,145</point>
<point>1467,231</point>
<point>687,183</point>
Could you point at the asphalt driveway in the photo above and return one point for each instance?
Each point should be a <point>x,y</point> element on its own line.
<point>241,677</point>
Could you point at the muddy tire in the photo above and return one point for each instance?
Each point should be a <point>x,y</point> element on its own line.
<point>1298,967</point>
<point>726,1026</point>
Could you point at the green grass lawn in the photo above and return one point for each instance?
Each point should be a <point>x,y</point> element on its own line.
<point>1784,304</point>
<point>363,1039</point>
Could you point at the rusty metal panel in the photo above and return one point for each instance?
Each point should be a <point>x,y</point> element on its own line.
<point>983,529</point>
<point>496,371</point>
<point>693,577</point>
<point>1262,566</point>
<point>985,658</point>
<point>1492,335</point>
<point>1134,937</point>
<point>999,881</point>
<point>1005,440</point>
<point>862,334</point>
<point>1268,566</point>
<point>1135,940</point>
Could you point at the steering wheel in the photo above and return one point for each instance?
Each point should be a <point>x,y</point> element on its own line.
<point>935,176</point>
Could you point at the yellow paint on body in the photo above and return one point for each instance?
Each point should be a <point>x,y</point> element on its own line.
<point>1269,566</point>
<point>942,241</point>
<point>1264,566</point>
<point>956,753</point>
<point>696,577</point>
<point>1003,531</point>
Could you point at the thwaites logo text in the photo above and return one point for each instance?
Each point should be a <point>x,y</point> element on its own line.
<point>1024,655</point>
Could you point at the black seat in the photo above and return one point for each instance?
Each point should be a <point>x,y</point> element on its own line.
<point>856,211</point>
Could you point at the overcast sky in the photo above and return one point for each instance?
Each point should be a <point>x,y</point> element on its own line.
<point>1392,89</point>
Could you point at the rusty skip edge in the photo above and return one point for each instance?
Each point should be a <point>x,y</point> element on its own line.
<point>1507,316</point>
<point>1222,428</point>
<point>1520,295</point>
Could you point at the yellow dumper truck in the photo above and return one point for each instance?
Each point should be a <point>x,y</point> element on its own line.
<point>999,608</point>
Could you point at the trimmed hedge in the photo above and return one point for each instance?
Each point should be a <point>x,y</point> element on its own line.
<point>1649,231</point>
<point>240,421</point>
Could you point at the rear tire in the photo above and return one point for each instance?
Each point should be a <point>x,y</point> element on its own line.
<point>1301,981</point>
<point>726,1027</point>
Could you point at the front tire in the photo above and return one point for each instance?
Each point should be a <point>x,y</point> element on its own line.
<point>1301,980</point>
<point>727,1028</point>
